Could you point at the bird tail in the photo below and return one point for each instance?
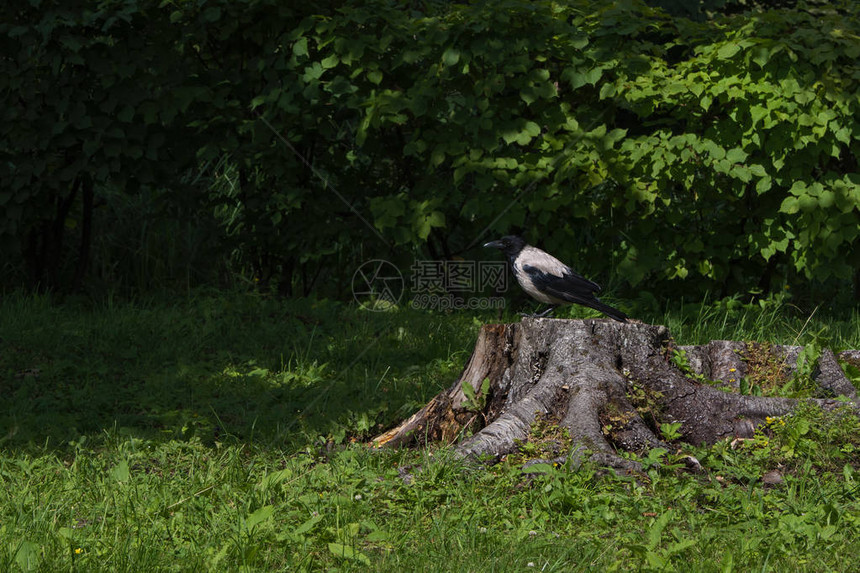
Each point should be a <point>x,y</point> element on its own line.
<point>608,310</point>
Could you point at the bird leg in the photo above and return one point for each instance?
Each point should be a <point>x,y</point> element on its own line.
<point>541,314</point>
<point>546,312</point>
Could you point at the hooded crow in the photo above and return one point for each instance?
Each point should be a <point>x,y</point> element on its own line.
<point>548,280</point>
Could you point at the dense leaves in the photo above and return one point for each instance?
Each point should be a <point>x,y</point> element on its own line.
<point>719,153</point>
<point>90,99</point>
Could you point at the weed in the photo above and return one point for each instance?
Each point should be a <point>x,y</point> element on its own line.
<point>476,401</point>
<point>547,440</point>
<point>680,359</point>
<point>647,403</point>
<point>671,431</point>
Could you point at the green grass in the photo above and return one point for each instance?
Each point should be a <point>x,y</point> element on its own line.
<point>226,432</point>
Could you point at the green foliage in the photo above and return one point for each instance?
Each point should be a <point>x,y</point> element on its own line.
<point>802,381</point>
<point>738,129</point>
<point>671,431</point>
<point>656,556</point>
<point>679,358</point>
<point>476,400</point>
<point>305,130</point>
<point>90,101</point>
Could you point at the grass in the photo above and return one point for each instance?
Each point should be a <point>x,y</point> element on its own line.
<point>226,432</point>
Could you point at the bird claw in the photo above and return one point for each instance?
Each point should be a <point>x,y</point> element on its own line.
<point>543,314</point>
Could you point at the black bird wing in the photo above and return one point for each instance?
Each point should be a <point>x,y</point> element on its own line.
<point>572,287</point>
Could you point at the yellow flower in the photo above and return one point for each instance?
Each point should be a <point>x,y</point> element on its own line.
<point>733,369</point>
<point>78,550</point>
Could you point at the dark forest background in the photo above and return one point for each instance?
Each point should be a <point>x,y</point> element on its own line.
<point>671,149</point>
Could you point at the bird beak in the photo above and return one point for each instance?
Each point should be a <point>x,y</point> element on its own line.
<point>494,244</point>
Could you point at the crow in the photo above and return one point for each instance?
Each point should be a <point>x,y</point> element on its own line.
<point>548,280</point>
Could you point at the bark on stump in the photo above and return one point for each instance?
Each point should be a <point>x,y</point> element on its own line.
<point>591,374</point>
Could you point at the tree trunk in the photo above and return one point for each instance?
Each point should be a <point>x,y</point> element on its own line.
<point>611,385</point>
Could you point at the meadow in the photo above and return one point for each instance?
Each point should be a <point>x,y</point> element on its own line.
<point>229,432</point>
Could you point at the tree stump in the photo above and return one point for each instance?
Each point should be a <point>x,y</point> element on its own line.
<point>611,385</point>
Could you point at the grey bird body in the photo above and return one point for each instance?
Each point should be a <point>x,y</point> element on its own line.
<point>550,281</point>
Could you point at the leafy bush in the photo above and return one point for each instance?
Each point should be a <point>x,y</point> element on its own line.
<point>707,154</point>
